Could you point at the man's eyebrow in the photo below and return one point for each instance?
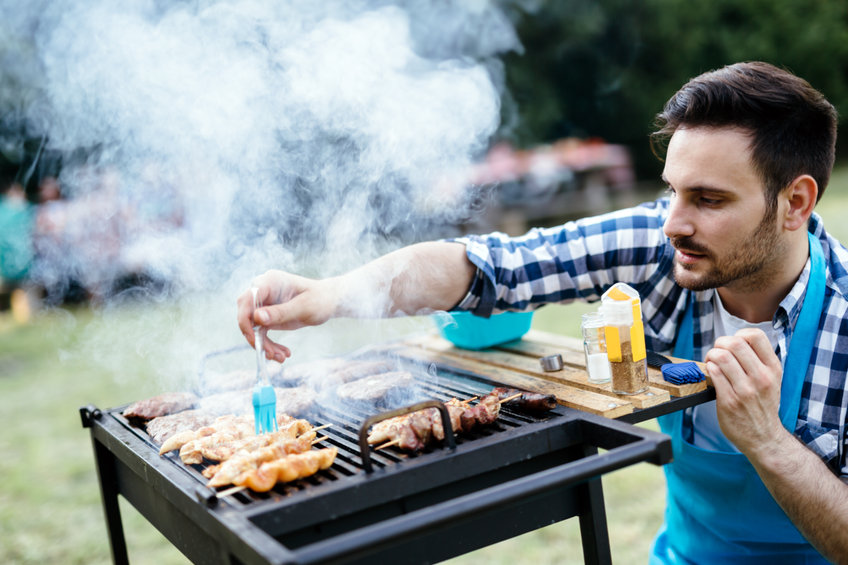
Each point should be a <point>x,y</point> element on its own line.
<point>700,188</point>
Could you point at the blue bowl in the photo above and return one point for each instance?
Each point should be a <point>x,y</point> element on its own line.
<point>468,331</point>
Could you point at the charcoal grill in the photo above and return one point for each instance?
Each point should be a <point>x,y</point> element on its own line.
<point>523,473</point>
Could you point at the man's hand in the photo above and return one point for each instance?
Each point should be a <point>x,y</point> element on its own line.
<point>746,375</point>
<point>287,302</point>
<point>413,280</point>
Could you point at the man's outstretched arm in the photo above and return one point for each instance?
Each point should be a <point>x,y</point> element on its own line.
<point>420,278</point>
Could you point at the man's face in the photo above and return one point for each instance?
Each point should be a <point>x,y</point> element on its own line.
<point>718,221</point>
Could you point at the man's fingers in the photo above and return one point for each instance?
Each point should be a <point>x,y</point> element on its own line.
<point>761,346</point>
<point>276,351</point>
<point>746,361</point>
<point>299,312</point>
<point>723,364</point>
<point>723,387</point>
<point>740,350</point>
<point>245,315</point>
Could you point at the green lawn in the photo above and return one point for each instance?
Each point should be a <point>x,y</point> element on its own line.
<point>49,501</point>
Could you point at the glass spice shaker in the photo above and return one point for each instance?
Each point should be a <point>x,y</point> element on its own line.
<point>624,336</point>
<point>594,347</point>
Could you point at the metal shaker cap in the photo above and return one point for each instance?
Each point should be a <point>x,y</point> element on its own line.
<point>551,362</point>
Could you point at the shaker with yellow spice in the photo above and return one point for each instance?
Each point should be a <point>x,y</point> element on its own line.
<point>624,333</point>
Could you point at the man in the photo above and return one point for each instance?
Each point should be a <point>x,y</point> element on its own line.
<point>733,267</point>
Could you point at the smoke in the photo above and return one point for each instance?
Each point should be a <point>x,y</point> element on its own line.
<point>203,142</point>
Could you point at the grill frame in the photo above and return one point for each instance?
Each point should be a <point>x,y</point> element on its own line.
<point>208,530</point>
<point>528,473</point>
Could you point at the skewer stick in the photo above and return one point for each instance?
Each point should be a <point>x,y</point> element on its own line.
<point>470,400</point>
<point>508,398</point>
<point>320,428</point>
<point>231,491</point>
<point>388,444</point>
<point>318,440</point>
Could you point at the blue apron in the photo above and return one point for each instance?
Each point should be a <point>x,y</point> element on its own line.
<point>718,509</point>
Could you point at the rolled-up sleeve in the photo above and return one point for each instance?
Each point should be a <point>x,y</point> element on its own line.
<point>577,260</point>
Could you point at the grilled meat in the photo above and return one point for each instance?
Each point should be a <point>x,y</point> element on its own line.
<point>160,405</point>
<point>214,383</point>
<point>244,461</point>
<point>232,440</point>
<point>355,370</point>
<point>375,388</point>
<point>224,430</point>
<point>289,468</point>
<point>335,370</point>
<point>225,435</point>
<point>532,402</point>
<point>224,450</point>
<point>164,427</point>
<point>295,401</point>
<point>483,413</point>
<point>412,432</point>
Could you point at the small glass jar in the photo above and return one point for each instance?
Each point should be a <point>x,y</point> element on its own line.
<point>625,340</point>
<point>597,362</point>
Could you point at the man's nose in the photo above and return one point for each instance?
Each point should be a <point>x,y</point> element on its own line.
<point>679,222</point>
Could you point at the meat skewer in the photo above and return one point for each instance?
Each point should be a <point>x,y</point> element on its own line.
<point>287,469</point>
<point>387,444</point>
<point>509,398</point>
<point>526,401</point>
<point>412,432</point>
<point>246,461</point>
<point>231,491</point>
<point>235,426</point>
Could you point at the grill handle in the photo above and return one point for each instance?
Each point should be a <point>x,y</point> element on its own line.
<point>364,448</point>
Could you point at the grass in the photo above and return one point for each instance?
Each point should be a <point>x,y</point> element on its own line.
<point>49,500</point>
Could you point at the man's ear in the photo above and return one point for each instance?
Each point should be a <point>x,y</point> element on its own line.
<point>800,196</point>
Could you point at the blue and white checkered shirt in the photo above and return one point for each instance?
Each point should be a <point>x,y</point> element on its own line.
<point>580,260</point>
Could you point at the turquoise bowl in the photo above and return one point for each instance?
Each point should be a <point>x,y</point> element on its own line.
<point>468,331</point>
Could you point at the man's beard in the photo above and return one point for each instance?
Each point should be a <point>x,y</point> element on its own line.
<point>747,262</point>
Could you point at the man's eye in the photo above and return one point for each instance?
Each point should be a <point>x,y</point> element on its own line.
<point>710,201</point>
<point>669,191</point>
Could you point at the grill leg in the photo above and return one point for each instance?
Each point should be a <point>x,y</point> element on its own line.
<point>109,493</point>
<point>593,524</point>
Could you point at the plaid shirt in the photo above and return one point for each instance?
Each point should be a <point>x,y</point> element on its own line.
<point>580,260</point>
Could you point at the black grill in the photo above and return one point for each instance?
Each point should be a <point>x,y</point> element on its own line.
<point>520,474</point>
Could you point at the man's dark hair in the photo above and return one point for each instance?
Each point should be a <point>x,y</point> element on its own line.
<point>792,125</point>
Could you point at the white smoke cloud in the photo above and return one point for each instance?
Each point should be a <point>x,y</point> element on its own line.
<point>240,135</point>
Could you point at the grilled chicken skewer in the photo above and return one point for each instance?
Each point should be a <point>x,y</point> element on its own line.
<point>251,461</point>
<point>287,469</point>
<point>245,461</point>
<point>223,429</point>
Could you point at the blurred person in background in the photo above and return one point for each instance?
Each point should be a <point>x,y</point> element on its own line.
<point>17,217</point>
<point>733,268</point>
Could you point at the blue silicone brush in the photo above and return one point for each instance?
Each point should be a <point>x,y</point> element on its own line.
<point>264,397</point>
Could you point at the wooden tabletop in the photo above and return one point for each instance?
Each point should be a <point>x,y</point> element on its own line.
<point>516,364</point>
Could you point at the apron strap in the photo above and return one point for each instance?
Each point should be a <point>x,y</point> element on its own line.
<point>803,340</point>
<point>684,344</point>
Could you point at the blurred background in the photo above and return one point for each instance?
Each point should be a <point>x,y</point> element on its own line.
<point>155,156</point>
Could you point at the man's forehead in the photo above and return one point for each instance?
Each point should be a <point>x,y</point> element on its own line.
<point>718,157</point>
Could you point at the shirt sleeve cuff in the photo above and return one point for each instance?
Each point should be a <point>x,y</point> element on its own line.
<point>480,298</point>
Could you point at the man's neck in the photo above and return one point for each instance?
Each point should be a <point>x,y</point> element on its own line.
<point>758,302</point>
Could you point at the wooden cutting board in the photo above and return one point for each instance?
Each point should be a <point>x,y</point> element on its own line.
<point>516,364</point>
<point>566,395</point>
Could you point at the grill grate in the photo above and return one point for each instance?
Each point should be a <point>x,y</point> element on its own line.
<point>343,433</point>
